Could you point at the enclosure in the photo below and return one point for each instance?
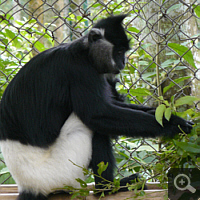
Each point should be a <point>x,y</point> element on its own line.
<point>163,68</point>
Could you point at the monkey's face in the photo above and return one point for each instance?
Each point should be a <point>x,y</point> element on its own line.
<point>119,57</point>
<point>104,55</point>
<point>115,44</point>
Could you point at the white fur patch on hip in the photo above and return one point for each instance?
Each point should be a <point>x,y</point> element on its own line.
<point>44,170</point>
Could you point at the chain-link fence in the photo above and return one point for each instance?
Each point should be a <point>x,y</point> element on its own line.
<point>164,59</point>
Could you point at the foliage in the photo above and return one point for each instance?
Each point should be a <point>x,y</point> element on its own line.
<point>138,83</point>
<point>109,187</point>
<point>17,48</point>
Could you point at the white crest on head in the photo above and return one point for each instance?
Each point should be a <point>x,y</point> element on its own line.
<point>85,41</point>
<point>102,31</point>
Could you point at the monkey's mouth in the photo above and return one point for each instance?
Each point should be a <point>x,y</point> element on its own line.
<point>117,71</point>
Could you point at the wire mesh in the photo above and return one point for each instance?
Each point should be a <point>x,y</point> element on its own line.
<point>164,59</point>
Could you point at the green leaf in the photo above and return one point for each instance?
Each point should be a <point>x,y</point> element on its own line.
<point>174,7</point>
<point>133,29</point>
<point>101,168</point>
<point>188,146</point>
<point>96,5</point>
<point>181,50</point>
<point>102,195</point>
<point>4,171</point>
<point>159,113</point>
<point>178,80</point>
<point>10,34</point>
<point>142,193</point>
<point>167,63</point>
<point>85,171</point>
<point>17,43</point>
<point>168,114</point>
<point>142,62</point>
<point>75,195</point>
<point>83,184</point>
<point>39,46</point>
<point>116,182</point>
<point>31,21</point>
<point>140,92</point>
<point>189,100</point>
<point>198,159</point>
<point>124,155</point>
<point>158,167</point>
<point>180,67</point>
<point>197,10</point>
<point>148,75</point>
<point>146,45</point>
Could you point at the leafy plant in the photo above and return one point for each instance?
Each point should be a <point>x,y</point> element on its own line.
<point>16,45</point>
<point>109,187</point>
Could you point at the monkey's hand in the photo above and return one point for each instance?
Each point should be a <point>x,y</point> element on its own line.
<point>175,125</point>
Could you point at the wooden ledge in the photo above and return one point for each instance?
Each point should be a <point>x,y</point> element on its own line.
<point>9,192</point>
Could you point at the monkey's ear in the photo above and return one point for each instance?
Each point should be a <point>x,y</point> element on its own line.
<point>119,18</point>
<point>95,34</point>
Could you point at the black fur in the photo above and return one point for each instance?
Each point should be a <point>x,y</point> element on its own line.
<point>104,154</point>
<point>31,196</point>
<point>71,78</point>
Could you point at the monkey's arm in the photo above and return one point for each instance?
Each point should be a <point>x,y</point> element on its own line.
<point>133,106</point>
<point>119,99</point>
<point>92,105</point>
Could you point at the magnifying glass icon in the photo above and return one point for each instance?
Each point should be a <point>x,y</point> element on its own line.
<point>186,186</point>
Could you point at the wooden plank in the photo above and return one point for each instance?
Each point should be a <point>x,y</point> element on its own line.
<point>12,188</point>
<point>149,195</point>
<point>8,188</point>
<point>154,186</point>
<point>12,196</point>
<point>9,192</point>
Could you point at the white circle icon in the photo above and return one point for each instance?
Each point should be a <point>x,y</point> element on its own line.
<point>182,182</point>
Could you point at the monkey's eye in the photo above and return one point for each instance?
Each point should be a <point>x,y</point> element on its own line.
<point>120,52</point>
